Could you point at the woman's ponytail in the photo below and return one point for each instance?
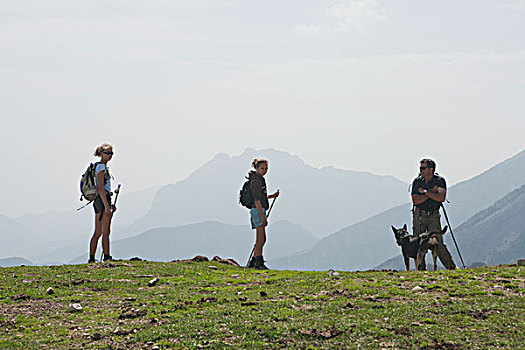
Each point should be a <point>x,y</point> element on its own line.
<point>256,162</point>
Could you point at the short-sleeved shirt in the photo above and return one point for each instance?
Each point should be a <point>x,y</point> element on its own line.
<point>429,205</point>
<point>107,179</point>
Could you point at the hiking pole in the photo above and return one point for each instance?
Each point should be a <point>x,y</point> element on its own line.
<point>271,206</point>
<point>267,216</point>
<point>85,205</point>
<point>452,234</point>
<point>117,191</point>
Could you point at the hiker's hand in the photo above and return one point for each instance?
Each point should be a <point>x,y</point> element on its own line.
<point>275,195</point>
<point>113,208</point>
<point>435,189</point>
<point>108,212</point>
<point>264,222</point>
<point>421,191</point>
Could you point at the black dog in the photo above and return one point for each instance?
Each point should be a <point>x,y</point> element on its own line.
<point>416,247</point>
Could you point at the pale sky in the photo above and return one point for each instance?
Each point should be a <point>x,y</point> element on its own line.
<point>357,84</point>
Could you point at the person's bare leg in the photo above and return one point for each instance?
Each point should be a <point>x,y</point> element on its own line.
<point>96,235</point>
<point>260,239</point>
<point>106,225</point>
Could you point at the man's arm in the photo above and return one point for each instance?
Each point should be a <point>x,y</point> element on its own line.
<point>437,193</point>
<point>418,198</point>
<point>418,194</point>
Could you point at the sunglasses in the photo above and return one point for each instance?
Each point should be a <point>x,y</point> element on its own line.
<point>423,168</point>
<point>109,153</point>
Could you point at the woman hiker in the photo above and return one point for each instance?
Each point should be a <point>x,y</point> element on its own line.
<point>103,208</point>
<point>258,211</point>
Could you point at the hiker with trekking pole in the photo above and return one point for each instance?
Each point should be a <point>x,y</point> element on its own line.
<point>429,191</point>
<point>255,197</point>
<point>96,182</point>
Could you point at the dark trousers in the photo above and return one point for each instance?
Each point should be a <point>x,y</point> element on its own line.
<point>423,221</point>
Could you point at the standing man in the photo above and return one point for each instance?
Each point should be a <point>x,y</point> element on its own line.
<point>429,190</point>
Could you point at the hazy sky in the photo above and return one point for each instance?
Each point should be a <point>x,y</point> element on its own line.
<point>358,84</point>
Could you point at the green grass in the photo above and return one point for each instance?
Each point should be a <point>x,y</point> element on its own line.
<point>195,306</point>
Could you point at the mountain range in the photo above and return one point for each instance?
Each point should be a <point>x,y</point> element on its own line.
<point>193,217</point>
<point>209,239</point>
<point>18,241</point>
<point>320,200</point>
<point>15,261</point>
<point>495,235</point>
<point>63,228</point>
<point>371,242</point>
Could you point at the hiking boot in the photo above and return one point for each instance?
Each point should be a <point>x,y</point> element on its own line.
<point>90,261</point>
<point>108,258</point>
<point>251,264</point>
<point>259,263</point>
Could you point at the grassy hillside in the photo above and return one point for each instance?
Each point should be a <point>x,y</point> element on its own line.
<point>214,305</point>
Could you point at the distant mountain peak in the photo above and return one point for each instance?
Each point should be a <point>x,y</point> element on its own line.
<point>252,151</point>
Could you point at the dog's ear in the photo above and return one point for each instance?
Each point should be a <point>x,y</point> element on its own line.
<point>394,229</point>
<point>405,227</point>
<point>444,230</point>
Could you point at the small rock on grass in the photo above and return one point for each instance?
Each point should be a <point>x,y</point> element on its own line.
<point>200,258</point>
<point>212,267</point>
<point>324,334</point>
<point>333,273</point>
<point>74,307</point>
<point>50,291</point>
<point>132,313</point>
<point>263,293</point>
<point>21,296</point>
<point>226,261</point>
<point>153,282</point>
<point>417,289</point>
<point>249,303</point>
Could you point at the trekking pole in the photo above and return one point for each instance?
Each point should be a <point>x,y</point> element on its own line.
<point>271,206</point>
<point>452,234</point>
<point>117,191</point>
<point>267,216</point>
<point>85,205</point>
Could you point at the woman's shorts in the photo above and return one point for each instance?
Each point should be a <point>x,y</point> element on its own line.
<point>99,205</point>
<point>255,217</point>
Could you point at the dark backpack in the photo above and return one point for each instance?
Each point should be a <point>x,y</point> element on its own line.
<point>245,196</point>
